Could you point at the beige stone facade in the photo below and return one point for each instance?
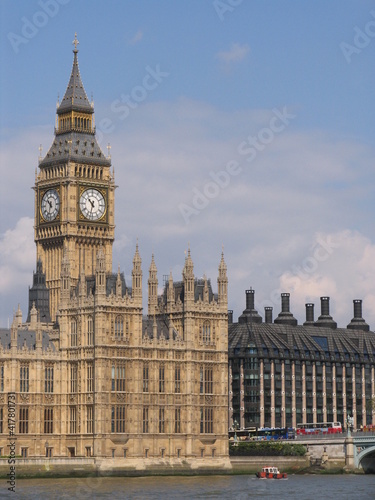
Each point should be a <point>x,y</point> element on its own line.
<point>101,378</point>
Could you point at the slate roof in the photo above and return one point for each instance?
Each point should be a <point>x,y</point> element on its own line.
<point>111,281</point>
<point>162,325</point>
<point>75,97</point>
<point>179,291</point>
<point>80,147</point>
<point>75,145</point>
<point>302,342</point>
<point>25,337</point>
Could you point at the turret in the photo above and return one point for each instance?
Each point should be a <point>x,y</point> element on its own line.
<point>170,293</point>
<point>222,283</point>
<point>100,277</point>
<point>188,278</point>
<point>152,287</point>
<point>137,277</point>
<point>65,277</point>
<point>118,283</point>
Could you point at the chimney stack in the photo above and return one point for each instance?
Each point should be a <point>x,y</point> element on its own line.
<point>285,317</point>
<point>250,314</point>
<point>230,316</point>
<point>268,314</point>
<point>325,320</point>
<point>358,323</point>
<point>309,314</point>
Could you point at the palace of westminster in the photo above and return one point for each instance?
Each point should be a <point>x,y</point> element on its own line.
<point>95,377</point>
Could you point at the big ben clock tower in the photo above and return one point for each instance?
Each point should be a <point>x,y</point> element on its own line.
<point>74,193</point>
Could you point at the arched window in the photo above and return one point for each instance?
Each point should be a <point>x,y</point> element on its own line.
<point>206,332</point>
<point>119,326</point>
<point>90,331</point>
<point>73,333</point>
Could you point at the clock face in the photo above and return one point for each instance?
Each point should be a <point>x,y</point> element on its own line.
<point>92,204</point>
<point>50,205</point>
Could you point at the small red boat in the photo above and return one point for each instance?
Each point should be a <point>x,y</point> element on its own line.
<point>271,473</point>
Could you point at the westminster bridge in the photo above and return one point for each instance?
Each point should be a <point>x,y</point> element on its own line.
<point>357,449</point>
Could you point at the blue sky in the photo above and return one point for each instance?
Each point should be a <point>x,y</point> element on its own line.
<point>294,213</point>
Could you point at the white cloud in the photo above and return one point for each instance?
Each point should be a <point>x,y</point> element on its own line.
<point>17,260</point>
<point>236,53</point>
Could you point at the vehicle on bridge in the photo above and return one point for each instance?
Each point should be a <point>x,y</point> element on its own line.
<point>262,434</point>
<point>319,428</point>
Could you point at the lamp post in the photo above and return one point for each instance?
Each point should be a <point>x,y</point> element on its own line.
<point>235,425</point>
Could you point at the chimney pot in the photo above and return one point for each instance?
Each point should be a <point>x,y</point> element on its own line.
<point>285,302</point>
<point>230,316</point>
<point>268,314</point>
<point>309,313</point>
<point>250,299</point>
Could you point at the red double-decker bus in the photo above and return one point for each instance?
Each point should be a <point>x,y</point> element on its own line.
<point>319,428</point>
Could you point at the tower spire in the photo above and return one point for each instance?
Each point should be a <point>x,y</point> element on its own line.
<point>75,97</point>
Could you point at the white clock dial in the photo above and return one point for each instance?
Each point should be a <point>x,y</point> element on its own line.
<point>92,204</point>
<point>50,205</point>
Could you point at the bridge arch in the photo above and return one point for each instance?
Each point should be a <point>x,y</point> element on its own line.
<point>365,457</point>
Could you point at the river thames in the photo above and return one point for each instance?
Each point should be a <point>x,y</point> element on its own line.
<point>301,487</point>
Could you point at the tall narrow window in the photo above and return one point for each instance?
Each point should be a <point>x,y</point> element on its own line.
<point>48,378</point>
<point>161,420</point>
<point>24,378</point>
<point>119,326</point>
<point>177,420</point>
<point>23,420</point>
<point>145,378</point>
<point>177,379</point>
<point>1,378</point>
<point>89,377</point>
<point>206,426</point>
<point>72,420</point>
<point>73,333</point>
<point>89,419</point>
<point>90,331</point>
<point>118,377</point>
<point>48,420</point>
<point>118,419</point>
<point>73,377</point>
<point>1,420</point>
<point>206,380</point>
<point>208,383</point>
<point>145,420</point>
<point>161,379</point>
<point>206,332</point>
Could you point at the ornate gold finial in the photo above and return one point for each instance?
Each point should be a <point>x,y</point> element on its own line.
<point>109,151</point>
<point>75,42</point>
<point>40,153</point>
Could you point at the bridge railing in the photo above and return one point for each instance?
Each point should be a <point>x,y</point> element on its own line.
<point>354,434</point>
